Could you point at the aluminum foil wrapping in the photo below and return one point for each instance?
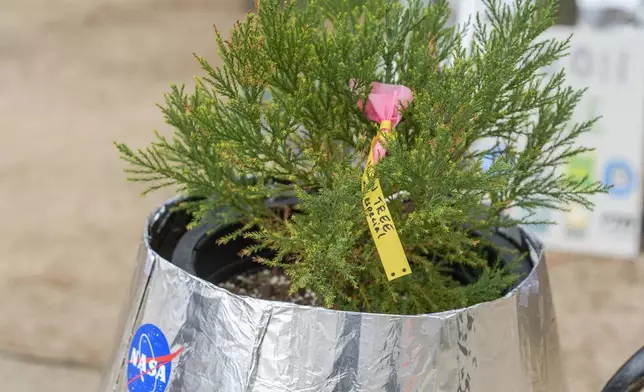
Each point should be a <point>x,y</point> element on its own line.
<point>184,334</point>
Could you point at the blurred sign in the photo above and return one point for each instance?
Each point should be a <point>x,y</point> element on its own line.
<point>611,65</point>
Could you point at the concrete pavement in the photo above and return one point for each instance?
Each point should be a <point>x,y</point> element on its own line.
<point>74,77</point>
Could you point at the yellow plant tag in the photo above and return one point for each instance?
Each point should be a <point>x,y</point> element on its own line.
<point>381,224</point>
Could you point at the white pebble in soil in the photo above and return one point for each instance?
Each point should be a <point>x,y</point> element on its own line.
<point>270,285</point>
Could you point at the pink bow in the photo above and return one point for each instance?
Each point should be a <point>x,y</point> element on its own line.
<point>384,104</point>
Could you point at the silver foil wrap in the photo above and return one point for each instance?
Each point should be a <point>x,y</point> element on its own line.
<point>232,343</point>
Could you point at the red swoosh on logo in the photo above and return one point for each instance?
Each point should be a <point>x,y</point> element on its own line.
<point>162,361</point>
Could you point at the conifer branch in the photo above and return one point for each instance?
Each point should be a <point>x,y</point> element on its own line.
<point>281,116</point>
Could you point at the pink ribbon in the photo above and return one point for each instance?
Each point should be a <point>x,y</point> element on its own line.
<point>384,104</point>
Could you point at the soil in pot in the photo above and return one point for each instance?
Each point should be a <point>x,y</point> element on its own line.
<point>271,284</point>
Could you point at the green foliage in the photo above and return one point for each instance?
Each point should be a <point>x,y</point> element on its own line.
<point>236,146</point>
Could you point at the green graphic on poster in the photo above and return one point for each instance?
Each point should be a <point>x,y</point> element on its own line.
<point>582,167</point>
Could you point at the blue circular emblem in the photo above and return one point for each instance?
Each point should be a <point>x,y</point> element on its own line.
<point>149,360</point>
<point>621,176</point>
<point>491,157</point>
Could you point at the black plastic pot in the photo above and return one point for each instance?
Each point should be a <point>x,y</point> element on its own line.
<point>197,252</point>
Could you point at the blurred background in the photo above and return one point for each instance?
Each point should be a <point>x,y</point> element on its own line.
<point>76,76</point>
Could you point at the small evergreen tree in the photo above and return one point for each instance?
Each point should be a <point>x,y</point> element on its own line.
<point>282,117</point>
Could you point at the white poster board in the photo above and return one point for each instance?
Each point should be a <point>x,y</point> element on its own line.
<point>611,64</point>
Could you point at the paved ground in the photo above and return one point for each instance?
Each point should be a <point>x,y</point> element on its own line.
<point>76,75</point>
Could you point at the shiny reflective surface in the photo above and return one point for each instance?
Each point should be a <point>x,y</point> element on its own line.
<point>234,343</point>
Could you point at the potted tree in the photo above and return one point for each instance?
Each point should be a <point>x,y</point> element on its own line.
<point>347,183</point>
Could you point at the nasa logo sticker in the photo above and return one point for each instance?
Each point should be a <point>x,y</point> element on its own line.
<point>149,360</point>
<point>621,176</point>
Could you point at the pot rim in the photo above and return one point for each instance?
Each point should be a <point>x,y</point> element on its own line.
<point>524,285</point>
